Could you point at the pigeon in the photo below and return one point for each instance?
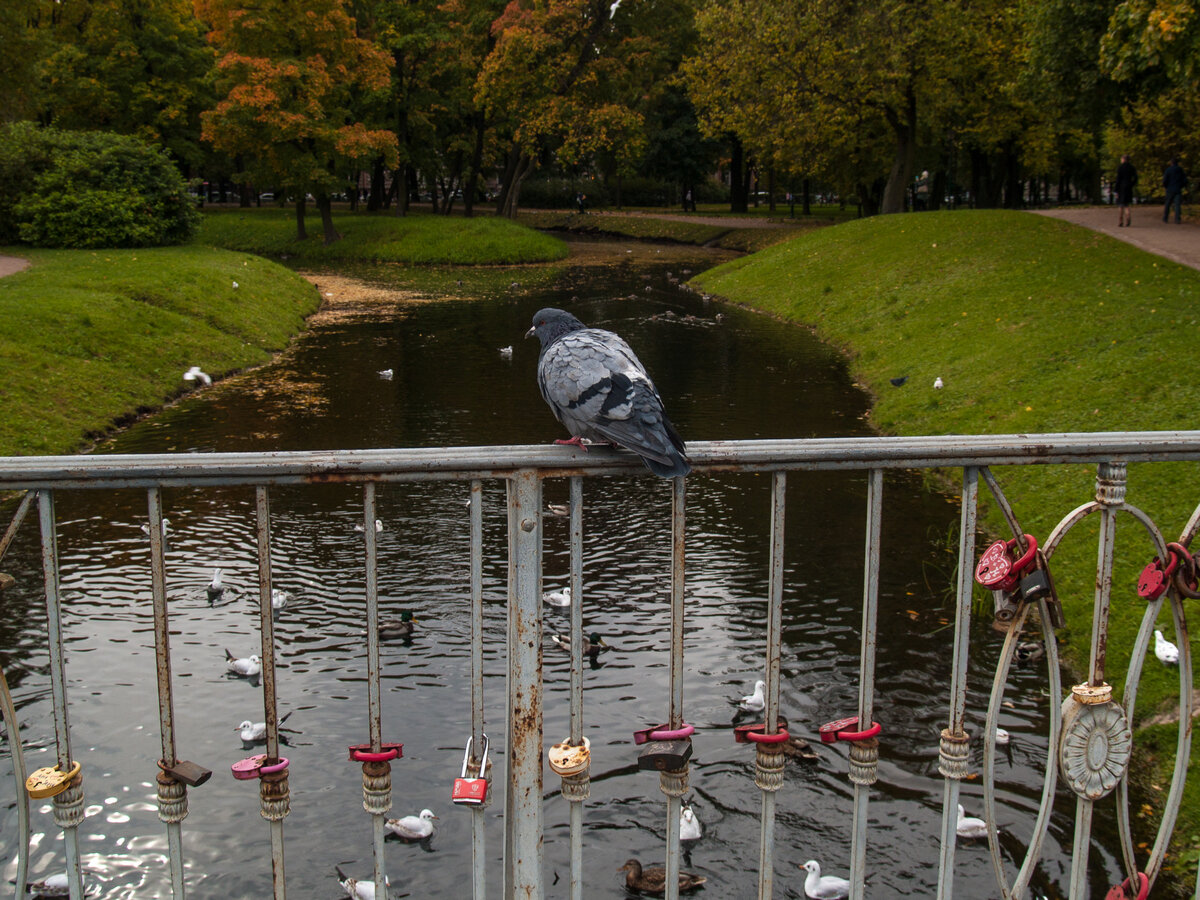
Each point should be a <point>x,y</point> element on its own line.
<point>689,825</point>
<point>357,889</point>
<point>54,886</point>
<point>969,826</point>
<point>755,702</point>
<point>248,666</point>
<point>412,828</point>
<point>1165,650</point>
<point>194,374</point>
<point>558,598</point>
<point>596,386</point>
<point>824,887</point>
<point>216,587</point>
<point>897,382</point>
<point>653,879</point>
<point>938,384</point>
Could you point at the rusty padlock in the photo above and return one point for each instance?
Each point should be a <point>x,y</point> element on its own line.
<point>50,781</point>
<point>1039,585</point>
<point>472,791</point>
<point>188,772</point>
<point>666,750</point>
<point>1000,569</point>
<point>569,759</point>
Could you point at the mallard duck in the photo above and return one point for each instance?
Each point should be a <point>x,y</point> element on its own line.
<point>654,879</point>
<point>798,748</point>
<point>394,628</point>
<point>1029,651</point>
<point>593,643</point>
<point>247,666</point>
<point>755,702</point>
<point>412,828</point>
<point>824,887</point>
<point>970,826</point>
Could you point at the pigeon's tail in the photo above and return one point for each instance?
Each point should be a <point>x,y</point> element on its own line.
<point>678,465</point>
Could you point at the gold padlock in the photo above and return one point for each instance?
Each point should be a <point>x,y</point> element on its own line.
<point>567,759</point>
<point>50,781</point>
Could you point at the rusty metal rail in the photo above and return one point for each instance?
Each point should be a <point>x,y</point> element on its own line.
<point>1088,718</point>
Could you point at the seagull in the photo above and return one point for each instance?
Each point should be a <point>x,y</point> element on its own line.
<point>216,587</point>
<point>235,285</point>
<point>969,826</point>
<point>247,666</point>
<point>824,887</point>
<point>1002,736</point>
<point>593,644</point>
<point>1165,650</point>
<point>558,598</point>
<point>598,389</point>
<point>612,10</point>
<point>195,374</point>
<point>506,352</point>
<point>279,599</point>
<point>412,828</point>
<point>256,732</point>
<point>362,528</point>
<point>754,702</point>
<point>897,382</point>
<point>165,523</point>
<point>689,825</point>
<point>393,628</point>
<point>356,889</point>
<point>938,384</point>
<point>385,374</point>
<point>54,886</point>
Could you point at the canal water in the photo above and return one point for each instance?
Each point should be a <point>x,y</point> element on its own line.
<point>725,373</point>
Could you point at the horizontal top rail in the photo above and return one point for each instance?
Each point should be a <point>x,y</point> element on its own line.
<point>440,463</point>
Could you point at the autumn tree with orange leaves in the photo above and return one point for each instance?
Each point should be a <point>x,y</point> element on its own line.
<point>289,78</point>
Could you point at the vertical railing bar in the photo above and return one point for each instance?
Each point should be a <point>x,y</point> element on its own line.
<point>954,748</point>
<point>270,712</point>
<point>374,701</point>
<point>766,852</point>
<point>675,675</point>
<point>866,678</point>
<point>523,851</point>
<point>478,833</point>
<point>166,708</point>
<point>576,731</point>
<point>58,685</point>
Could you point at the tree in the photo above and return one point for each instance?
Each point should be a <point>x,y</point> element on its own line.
<point>288,83</point>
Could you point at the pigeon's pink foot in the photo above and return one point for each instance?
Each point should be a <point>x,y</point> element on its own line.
<point>576,441</point>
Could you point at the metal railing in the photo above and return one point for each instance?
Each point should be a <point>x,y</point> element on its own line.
<point>1089,739</point>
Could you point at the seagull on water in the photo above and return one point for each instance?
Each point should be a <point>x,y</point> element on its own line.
<point>358,889</point>
<point>689,825</point>
<point>54,886</point>
<point>412,828</point>
<point>362,528</point>
<point>256,732</point>
<point>558,598</point>
<point>824,887</point>
<point>195,374</point>
<point>279,599</point>
<point>1002,736</point>
<point>506,352</point>
<point>247,666</point>
<point>970,826</point>
<point>1165,650</point>
<point>755,702</point>
<point>165,524</point>
<point>216,587</point>
<point>385,374</point>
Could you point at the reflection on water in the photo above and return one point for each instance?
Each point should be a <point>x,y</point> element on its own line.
<point>735,376</point>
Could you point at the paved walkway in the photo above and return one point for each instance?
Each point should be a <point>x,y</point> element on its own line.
<point>12,264</point>
<point>1178,243</point>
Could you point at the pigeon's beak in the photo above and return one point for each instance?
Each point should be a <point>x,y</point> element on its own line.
<point>531,332</point>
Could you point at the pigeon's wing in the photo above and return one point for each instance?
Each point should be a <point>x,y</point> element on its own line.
<point>599,390</point>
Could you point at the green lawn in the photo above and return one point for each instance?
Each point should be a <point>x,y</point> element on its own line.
<point>1034,325</point>
<point>418,238</point>
<point>87,337</point>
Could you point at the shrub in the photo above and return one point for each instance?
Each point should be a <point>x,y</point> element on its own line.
<point>90,189</point>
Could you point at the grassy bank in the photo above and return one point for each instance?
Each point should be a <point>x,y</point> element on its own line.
<point>1034,325</point>
<point>89,337</point>
<point>418,238</point>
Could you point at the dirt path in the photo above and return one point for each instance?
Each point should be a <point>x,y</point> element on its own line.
<point>10,265</point>
<point>1178,243</point>
<point>726,221</point>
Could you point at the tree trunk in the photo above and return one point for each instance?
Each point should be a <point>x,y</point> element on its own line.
<point>301,234</point>
<point>905,132</point>
<point>472,184</point>
<point>737,177</point>
<point>937,189</point>
<point>513,195</point>
<point>805,209</point>
<point>375,198</point>
<point>326,209</point>
<point>771,189</point>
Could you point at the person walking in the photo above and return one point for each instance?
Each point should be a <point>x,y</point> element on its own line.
<point>1174,180</point>
<point>1125,183</point>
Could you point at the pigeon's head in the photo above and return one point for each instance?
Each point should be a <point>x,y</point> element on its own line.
<point>550,324</point>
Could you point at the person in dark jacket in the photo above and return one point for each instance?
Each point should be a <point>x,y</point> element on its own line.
<point>1174,180</point>
<point>1126,181</point>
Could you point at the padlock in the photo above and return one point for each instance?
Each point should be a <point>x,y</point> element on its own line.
<point>569,759</point>
<point>665,756</point>
<point>50,781</point>
<point>999,569</point>
<point>1155,579</point>
<point>472,791</point>
<point>1039,585</point>
<point>189,773</point>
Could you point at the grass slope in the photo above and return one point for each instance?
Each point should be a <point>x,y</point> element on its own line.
<point>1034,325</point>
<point>86,336</point>
<point>417,238</point>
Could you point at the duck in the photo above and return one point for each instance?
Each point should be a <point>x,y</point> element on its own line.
<point>558,598</point>
<point>247,666</point>
<point>279,599</point>
<point>970,826</point>
<point>823,887</point>
<point>654,879</point>
<point>593,643</point>
<point>394,628</point>
<point>689,825</point>
<point>412,828</point>
<point>357,889</point>
<point>1166,651</point>
<point>1029,651</point>
<point>216,587</point>
<point>755,702</point>
<point>798,748</point>
<point>558,509</point>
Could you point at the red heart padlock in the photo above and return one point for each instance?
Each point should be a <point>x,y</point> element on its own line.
<point>999,570</point>
<point>1155,579</point>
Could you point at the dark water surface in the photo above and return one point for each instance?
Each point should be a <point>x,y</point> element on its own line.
<point>743,377</point>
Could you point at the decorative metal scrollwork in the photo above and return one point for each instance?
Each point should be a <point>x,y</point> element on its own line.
<point>1096,743</point>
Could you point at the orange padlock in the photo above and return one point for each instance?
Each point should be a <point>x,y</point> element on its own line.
<point>472,791</point>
